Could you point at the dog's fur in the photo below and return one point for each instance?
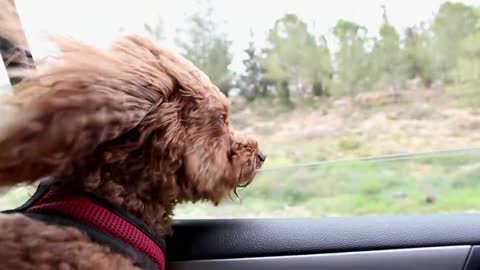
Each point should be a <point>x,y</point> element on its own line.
<point>136,124</point>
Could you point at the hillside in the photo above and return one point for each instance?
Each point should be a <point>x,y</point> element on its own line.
<point>378,123</point>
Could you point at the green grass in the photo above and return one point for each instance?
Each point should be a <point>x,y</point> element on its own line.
<point>433,184</point>
<point>15,197</point>
<point>346,188</point>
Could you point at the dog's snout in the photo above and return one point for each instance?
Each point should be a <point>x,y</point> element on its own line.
<point>261,156</point>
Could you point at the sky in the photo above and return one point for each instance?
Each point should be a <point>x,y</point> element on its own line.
<point>99,21</point>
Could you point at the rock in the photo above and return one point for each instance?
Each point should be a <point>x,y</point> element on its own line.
<point>430,199</point>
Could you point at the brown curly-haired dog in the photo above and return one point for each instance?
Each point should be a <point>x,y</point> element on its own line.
<point>136,125</point>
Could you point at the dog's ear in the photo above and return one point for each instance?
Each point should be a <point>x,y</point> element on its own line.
<point>62,112</point>
<point>192,81</point>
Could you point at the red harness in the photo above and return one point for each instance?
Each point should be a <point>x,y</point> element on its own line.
<point>52,202</point>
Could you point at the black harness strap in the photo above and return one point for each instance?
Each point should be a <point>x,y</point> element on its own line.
<point>95,234</point>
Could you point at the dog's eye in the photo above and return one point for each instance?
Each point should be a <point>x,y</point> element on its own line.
<point>222,118</point>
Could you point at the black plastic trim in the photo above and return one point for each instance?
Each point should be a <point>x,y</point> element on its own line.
<point>473,262</point>
<point>243,238</point>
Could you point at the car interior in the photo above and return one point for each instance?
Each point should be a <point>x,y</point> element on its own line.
<point>376,242</point>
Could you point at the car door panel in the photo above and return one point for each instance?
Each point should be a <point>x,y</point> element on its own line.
<point>406,242</point>
<point>439,258</point>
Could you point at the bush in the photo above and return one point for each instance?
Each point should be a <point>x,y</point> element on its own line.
<point>348,144</point>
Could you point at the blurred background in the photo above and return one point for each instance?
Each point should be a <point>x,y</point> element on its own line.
<point>363,107</point>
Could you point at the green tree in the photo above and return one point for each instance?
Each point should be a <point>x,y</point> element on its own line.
<point>250,82</point>
<point>467,86</point>
<point>419,55</point>
<point>386,56</point>
<point>319,68</point>
<point>295,59</point>
<point>156,30</point>
<point>469,62</point>
<point>452,24</point>
<point>207,47</point>
<point>352,59</point>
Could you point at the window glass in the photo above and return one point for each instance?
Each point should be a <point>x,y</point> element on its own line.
<point>363,107</point>
<point>4,83</point>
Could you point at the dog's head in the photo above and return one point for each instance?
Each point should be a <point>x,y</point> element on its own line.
<point>125,118</point>
<point>216,159</point>
<point>191,131</point>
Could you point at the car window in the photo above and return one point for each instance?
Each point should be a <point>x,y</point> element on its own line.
<point>4,83</point>
<point>363,107</point>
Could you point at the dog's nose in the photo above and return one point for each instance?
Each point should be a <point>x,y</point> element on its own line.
<point>261,156</point>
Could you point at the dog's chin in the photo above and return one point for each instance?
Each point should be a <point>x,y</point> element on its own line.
<point>247,176</point>
<point>246,180</point>
<point>241,183</point>
<point>221,188</point>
